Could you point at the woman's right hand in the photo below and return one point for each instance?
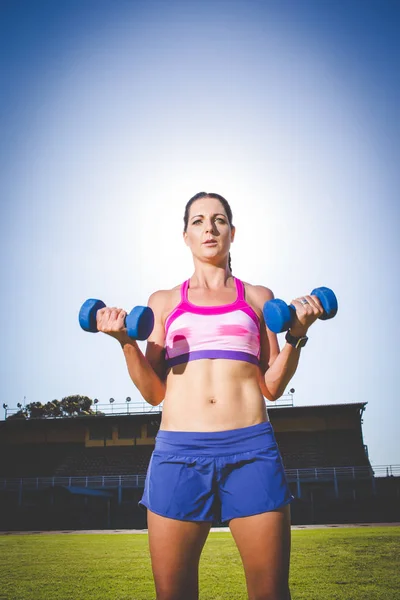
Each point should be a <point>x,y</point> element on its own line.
<point>112,322</point>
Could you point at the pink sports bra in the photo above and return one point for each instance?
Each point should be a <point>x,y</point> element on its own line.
<point>229,331</point>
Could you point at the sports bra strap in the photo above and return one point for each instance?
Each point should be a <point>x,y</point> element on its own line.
<point>184,289</point>
<point>240,289</point>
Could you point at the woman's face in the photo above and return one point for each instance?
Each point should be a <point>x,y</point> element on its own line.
<point>208,221</point>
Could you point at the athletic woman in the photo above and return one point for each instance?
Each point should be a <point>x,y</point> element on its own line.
<point>212,360</point>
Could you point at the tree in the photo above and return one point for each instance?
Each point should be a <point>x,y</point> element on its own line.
<point>70,406</point>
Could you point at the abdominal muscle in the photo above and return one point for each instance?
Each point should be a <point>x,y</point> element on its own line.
<point>213,395</point>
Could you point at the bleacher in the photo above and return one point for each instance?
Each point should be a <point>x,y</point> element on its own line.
<point>32,460</point>
<point>299,449</point>
<point>111,460</point>
<point>329,448</point>
<point>37,460</point>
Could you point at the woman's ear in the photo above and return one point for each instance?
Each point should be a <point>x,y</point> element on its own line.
<point>233,230</point>
<point>185,237</point>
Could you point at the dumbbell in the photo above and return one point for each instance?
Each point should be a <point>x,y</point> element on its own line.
<point>139,323</point>
<point>278,315</point>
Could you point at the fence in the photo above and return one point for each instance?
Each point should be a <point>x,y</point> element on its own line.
<point>137,481</point>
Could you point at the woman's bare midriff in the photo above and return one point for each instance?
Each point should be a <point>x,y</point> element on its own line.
<point>213,395</point>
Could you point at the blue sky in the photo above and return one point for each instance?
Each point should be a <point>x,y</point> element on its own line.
<point>113,114</point>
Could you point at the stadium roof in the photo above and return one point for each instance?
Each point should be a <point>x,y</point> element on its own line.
<point>325,405</point>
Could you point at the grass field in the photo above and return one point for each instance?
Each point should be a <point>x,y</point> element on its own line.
<point>327,564</point>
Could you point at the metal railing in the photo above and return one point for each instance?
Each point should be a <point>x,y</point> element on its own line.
<point>96,481</point>
<point>112,408</point>
<point>132,407</point>
<point>137,481</point>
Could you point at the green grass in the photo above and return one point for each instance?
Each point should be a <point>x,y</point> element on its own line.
<point>326,564</point>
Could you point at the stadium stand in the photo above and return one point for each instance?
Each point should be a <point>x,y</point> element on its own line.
<point>304,449</point>
<point>90,471</point>
<point>117,460</point>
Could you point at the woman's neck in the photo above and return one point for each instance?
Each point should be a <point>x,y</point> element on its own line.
<point>212,279</point>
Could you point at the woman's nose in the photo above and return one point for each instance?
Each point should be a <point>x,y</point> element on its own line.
<point>209,226</point>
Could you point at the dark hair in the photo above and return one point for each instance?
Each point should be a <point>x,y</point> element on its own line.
<point>225,204</point>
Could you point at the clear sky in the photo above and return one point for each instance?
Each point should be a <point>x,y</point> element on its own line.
<point>114,113</point>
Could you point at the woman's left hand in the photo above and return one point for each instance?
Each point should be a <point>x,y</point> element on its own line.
<point>306,314</point>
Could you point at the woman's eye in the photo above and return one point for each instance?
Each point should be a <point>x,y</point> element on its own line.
<point>217,219</point>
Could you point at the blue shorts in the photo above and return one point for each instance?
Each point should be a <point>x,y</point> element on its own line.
<point>215,475</point>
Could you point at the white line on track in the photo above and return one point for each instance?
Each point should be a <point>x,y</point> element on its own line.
<point>223,529</point>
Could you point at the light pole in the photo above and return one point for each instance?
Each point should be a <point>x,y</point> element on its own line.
<point>291,392</point>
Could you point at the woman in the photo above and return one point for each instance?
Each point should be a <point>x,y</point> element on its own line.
<point>212,360</point>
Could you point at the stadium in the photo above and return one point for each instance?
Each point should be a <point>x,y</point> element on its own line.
<point>87,470</point>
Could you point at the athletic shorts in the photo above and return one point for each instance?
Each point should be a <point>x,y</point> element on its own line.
<point>215,475</point>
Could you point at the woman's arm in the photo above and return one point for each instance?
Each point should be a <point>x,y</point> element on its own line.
<point>148,371</point>
<point>277,367</point>
<point>278,375</point>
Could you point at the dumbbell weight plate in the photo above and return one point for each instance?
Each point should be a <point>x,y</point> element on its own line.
<point>277,315</point>
<point>140,322</point>
<point>87,314</point>
<point>328,300</point>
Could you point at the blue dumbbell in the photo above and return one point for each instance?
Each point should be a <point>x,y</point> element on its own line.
<point>139,323</point>
<point>278,315</point>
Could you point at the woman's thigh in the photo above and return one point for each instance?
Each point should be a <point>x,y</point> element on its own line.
<point>175,549</point>
<point>264,541</point>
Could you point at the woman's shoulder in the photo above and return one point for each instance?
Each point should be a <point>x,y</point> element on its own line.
<point>160,295</point>
<point>163,301</point>
<point>257,295</point>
